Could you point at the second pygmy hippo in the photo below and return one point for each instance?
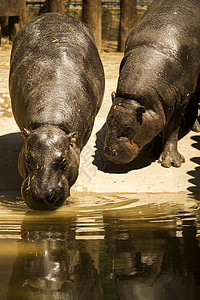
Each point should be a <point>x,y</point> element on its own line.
<point>158,86</point>
<point>56,88</point>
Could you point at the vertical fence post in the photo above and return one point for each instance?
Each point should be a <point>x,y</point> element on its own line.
<point>128,18</point>
<point>92,17</point>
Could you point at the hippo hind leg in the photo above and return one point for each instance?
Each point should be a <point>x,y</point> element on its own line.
<point>196,126</point>
<point>170,155</point>
<point>191,119</point>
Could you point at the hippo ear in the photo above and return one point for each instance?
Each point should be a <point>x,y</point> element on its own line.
<point>113,95</point>
<point>25,133</point>
<point>140,111</point>
<point>73,137</point>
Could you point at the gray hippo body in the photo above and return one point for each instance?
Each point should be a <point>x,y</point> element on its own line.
<point>158,86</point>
<point>56,86</point>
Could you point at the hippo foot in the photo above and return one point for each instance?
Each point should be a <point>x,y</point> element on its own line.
<point>196,126</point>
<point>173,158</point>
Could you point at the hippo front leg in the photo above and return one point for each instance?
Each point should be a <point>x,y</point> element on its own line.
<point>170,155</point>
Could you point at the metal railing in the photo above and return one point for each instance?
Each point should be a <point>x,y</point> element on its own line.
<point>35,3</point>
<point>78,3</point>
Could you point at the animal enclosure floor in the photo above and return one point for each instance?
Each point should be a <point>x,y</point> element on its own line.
<point>96,174</point>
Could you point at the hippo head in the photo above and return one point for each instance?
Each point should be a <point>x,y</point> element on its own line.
<point>124,122</point>
<point>48,162</point>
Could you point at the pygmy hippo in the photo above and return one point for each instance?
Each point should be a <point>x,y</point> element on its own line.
<point>56,86</point>
<point>158,85</point>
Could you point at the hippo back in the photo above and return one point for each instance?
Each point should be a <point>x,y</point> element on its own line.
<point>56,75</point>
<point>165,42</point>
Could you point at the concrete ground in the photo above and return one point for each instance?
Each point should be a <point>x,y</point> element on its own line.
<point>97,174</point>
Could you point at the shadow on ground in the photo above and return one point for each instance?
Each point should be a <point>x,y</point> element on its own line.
<point>195,174</point>
<point>10,180</point>
<point>144,159</point>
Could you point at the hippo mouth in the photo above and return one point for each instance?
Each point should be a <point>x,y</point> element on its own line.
<point>122,151</point>
<point>41,200</point>
<point>43,203</point>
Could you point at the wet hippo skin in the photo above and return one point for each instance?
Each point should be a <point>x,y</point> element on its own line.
<point>158,85</point>
<point>56,86</point>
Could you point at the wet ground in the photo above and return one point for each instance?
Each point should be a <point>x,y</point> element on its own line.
<point>128,232</point>
<point>97,174</point>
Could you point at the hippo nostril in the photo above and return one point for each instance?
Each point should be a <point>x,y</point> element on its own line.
<point>51,196</point>
<point>109,151</point>
<point>50,193</point>
<point>113,152</point>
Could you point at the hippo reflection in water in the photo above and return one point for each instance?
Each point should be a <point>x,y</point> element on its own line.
<point>56,87</point>
<point>52,264</point>
<point>141,260</point>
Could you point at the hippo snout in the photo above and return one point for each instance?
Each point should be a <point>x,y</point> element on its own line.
<point>120,150</point>
<point>43,197</point>
<point>109,151</point>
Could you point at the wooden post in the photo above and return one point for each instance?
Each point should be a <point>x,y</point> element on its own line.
<point>22,17</point>
<point>17,19</point>
<point>92,17</point>
<point>66,5</point>
<point>60,6</point>
<point>52,6</point>
<point>128,18</point>
<point>56,6</point>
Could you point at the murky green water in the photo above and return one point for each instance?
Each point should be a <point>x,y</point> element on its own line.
<point>101,247</point>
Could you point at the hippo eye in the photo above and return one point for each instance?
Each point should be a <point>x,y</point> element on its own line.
<point>63,164</point>
<point>108,123</point>
<point>29,164</point>
<point>127,129</point>
<point>27,159</point>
